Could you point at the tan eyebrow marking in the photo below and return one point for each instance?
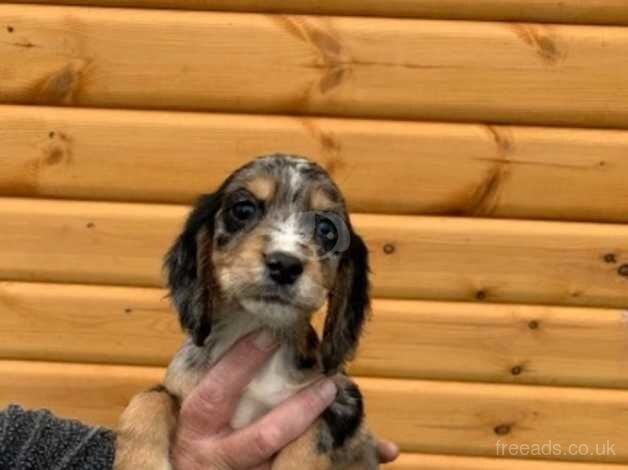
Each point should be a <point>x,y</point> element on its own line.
<point>320,200</point>
<point>262,187</point>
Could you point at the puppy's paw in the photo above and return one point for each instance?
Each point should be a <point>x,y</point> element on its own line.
<point>145,430</point>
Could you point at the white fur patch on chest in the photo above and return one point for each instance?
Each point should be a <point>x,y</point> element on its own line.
<point>275,382</point>
<point>270,387</point>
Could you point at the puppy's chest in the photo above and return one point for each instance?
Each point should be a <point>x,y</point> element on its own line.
<point>274,383</point>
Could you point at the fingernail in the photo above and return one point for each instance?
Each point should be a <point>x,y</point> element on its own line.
<point>327,389</point>
<point>392,448</point>
<point>265,340</point>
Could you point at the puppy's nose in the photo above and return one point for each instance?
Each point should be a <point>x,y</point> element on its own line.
<point>283,268</point>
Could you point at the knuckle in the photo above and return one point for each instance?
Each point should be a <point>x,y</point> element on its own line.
<point>204,402</point>
<point>184,458</point>
<point>221,460</point>
<point>267,441</point>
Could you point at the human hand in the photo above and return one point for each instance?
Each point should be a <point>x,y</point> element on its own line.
<point>204,439</point>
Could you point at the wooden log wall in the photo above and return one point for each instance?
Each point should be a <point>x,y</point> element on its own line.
<point>483,148</point>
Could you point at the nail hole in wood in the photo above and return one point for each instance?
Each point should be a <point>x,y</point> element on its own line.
<point>533,324</point>
<point>502,429</point>
<point>389,248</point>
<point>517,370</point>
<point>623,270</point>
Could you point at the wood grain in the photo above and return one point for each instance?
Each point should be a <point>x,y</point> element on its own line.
<point>410,69</point>
<point>417,340</point>
<point>422,416</point>
<point>574,11</point>
<point>411,257</point>
<point>419,168</point>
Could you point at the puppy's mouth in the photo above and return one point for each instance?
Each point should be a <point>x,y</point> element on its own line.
<point>271,295</point>
<point>274,298</point>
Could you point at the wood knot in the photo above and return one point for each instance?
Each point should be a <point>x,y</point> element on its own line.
<point>543,40</point>
<point>51,134</point>
<point>480,295</point>
<point>623,270</point>
<point>502,429</point>
<point>517,370</point>
<point>10,29</point>
<point>533,324</point>
<point>90,225</point>
<point>610,258</point>
<point>54,156</point>
<point>64,84</point>
<point>389,248</point>
<point>128,310</point>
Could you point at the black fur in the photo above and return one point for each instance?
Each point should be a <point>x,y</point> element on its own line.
<point>348,306</point>
<point>342,418</point>
<point>188,274</point>
<point>307,357</point>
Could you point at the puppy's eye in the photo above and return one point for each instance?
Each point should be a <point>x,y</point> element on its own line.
<point>244,210</point>
<point>326,232</point>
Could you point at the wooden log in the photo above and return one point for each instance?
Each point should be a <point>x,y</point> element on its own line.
<point>382,166</point>
<point>549,11</point>
<point>422,416</point>
<point>415,340</point>
<point>450,462</point>
<point>411,257</point>
<point>409,69</point>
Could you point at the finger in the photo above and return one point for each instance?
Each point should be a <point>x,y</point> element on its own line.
<point>211,404</point>
<point>258,442</point>
<point>264,466</point>
<point>387,451</point>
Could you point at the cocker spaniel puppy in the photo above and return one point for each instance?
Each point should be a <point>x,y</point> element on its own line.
<point>266,250</point>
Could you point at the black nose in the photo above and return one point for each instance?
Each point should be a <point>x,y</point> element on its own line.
<point>283,268</point>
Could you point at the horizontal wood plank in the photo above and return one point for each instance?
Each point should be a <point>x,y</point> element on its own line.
<point>411,257</point>
<point>427,417</point>
<point>370,67</point>
<point>473,170</point>
<point>447,462</point>
<point>575,11</point>
<point>418,340</point>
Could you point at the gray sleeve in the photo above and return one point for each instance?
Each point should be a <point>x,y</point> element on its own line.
<point>37,440</point>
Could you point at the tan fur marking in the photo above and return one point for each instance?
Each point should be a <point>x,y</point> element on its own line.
<point>240,262</point>
<point>320,201</point>
<point>144,432</point>
<point>314,271</point>
<point>262,187</point>
<point>303,453</point>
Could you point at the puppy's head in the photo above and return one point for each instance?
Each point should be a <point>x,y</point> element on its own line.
<point>276,241</point>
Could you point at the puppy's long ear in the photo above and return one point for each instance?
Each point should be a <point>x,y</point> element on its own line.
<point>348,306</point>
<point>189,269</point>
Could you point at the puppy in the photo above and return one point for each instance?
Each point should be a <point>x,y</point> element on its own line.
<point>266,250</point>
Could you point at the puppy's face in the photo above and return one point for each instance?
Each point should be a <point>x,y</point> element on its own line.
<point>275,240</point>
<point>278,236</point>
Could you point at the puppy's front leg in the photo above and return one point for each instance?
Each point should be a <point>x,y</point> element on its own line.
<point>145,430</point>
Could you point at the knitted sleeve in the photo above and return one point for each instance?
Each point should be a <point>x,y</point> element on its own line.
<point>37,440</point>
